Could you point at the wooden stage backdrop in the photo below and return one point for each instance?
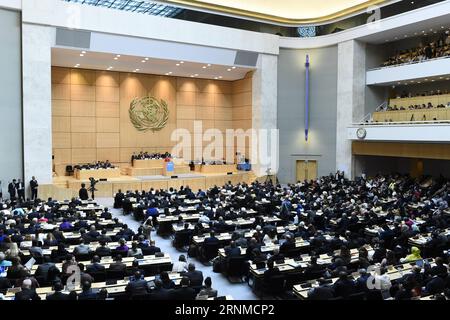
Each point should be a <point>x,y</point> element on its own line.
<point>68,188</point>
<point>91,121</point>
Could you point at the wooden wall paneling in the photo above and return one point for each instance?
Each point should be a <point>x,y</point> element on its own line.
<point>107,79</point>
<point>62,156</point>
<point>61,108</point>
<point>82,77</point>
<point>186,112</point>
<point>60,75</point>
<point>84,155</point>
<point>107,94</point>
<point>204,113</point>
<point>107,124</point>
<point>83,124</point>
<point>82,108</point>
<point>107,109</point>
<point>186,85</point>
<point>82,140</point>
<point>108,140</point>
<point>223,100</point>
<point>61,124</point>
<point>82,92</point>
<point>61,140</point>
<point>61,91</point>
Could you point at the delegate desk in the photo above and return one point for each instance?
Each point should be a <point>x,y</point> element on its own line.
<point>148,164</point>
<point>114,288</point>
<point>146,261</point>
<point>85,174</point>
<point>216,168</point>
<point>394,273</point>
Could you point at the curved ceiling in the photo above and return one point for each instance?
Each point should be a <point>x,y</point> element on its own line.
<point>291,12</point>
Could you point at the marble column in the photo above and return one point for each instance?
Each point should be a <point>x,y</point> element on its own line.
<point>264,115</point>
<point>350,99</point>
<point>37,108</point>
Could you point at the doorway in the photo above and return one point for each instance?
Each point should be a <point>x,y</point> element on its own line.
<point>306,170</point>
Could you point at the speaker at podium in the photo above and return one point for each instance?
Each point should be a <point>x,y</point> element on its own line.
<point>168,168</point>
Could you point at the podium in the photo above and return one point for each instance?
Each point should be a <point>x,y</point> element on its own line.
<point>168,168</point>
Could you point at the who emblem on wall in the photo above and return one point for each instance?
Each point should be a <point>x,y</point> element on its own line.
<point>147,113</point>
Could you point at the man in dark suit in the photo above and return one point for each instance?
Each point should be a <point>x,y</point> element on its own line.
<point>12,189</point>
<point>195,277</point>
<point>232,250</point>
<point>137,285</point>
<point>34,188</point>
<point>20,186</point>
<point>344,287</point>
<point>159,292</point>
<point>103,249</point>
<point>95,266</point>
<point>322,292</point>
<point>27,293</point>
<point>83,193</point>
<point>118,265</point>
<point>183,293</point>
<point>58,295</point>
<point>43,269</point>
<point>87,292</point>
<point>151,249</point>
<point>118,199</point>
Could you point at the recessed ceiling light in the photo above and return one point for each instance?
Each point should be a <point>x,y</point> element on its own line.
<point>419,82</point>
<point>192,75</point>
<point>209,64</point>
<point>447,78</point>
<point>134,71</point>
<point>220,77</point>
<point>441,77</point>
<point>166,73</point>
<point>118,55</point>
<point>115,58</point>
<point>432,80</point>
<point>228,69</point>
<point>76,66</point>
<point>143,61</point>
<point>196,74</point>
<point>138,69</point>
<point>406,36</point>
<point>426,79</point>
<point>181,62</point>
<point>170,72</point>
<point>216,78</point>
<point>177,64</point>
<point>204,67</point>
<point>81,55</point>
<point>442,27</point>
<point>233,67</point>
<point>146,59</point>
<point>83,52</point>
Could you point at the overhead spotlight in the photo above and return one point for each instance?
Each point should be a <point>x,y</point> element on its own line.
<point>196,75</point>
<point>138,69</point>
<point>204,67</point>
<point>233,67</point>
<point>170,72</point>
<point>81,55</point>
<point>83,52</point>
<point>76,66</point>
<point>228,69</point>
<point>209,64</point>
<point>177,64</point>
<point>181,62</point>
<point>115,58</point>
<point>146,59</point>
<point>166,73</point>
<point>216,78</point>
<point>143,61</point>
<point>192,75</point>
<point>118,55</point>
<point>220,77</point>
